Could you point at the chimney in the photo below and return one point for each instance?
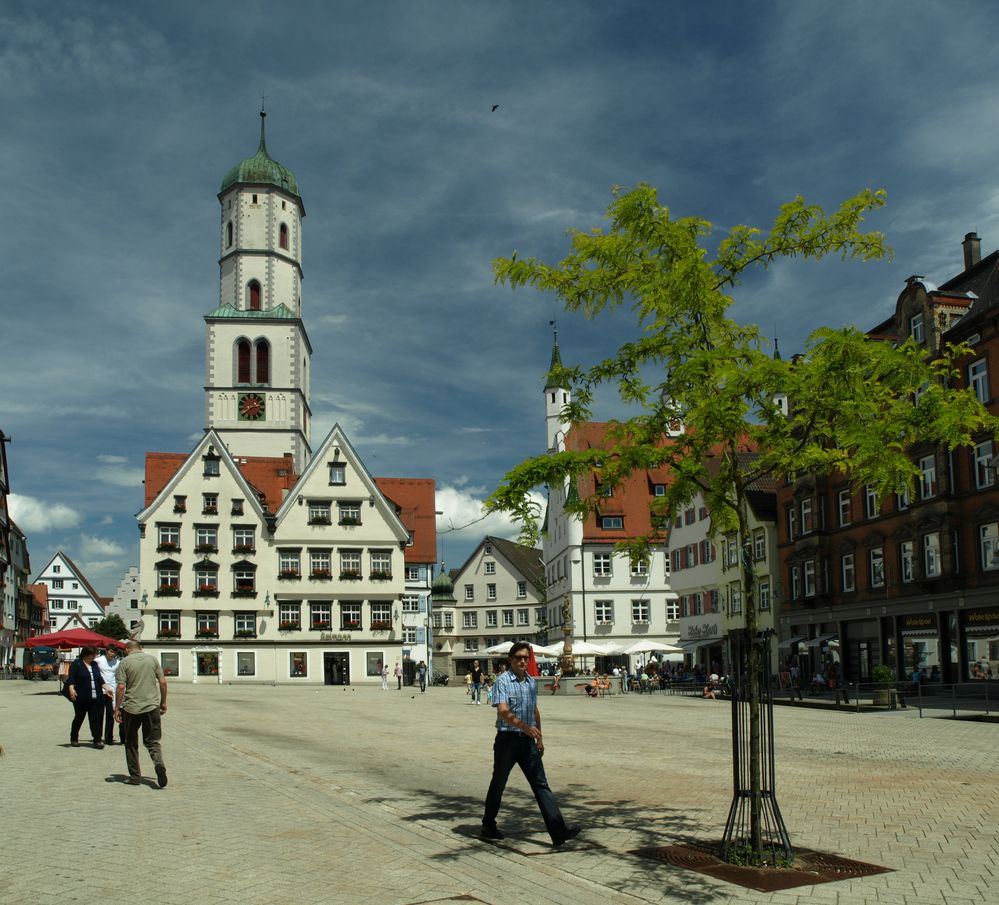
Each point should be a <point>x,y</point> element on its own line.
<point>972,250</point>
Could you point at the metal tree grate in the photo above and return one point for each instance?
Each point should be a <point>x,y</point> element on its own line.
<point>768,842</point>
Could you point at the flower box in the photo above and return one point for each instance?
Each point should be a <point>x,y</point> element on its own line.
<point>322,574</point>
<point>381,625</point>
<point>168,547</point>
<point>180,509</point>
<point>244,548</point>
<point>320,520</point>
<point>206,633</point>
<point>206,548</point>
<point>351,626</point>
<point>168,590</point>
<point>289,626</point>
<point>244,592</point>
<point>289,573</point>
<point>350,575</point>
<point>320,626</point>
<point>245,633</point>
<point>381,575</point>
<point>168,633</point>
<point>349,520</point>
<point>207,592</point>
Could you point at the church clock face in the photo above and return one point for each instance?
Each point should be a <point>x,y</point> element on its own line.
<point>251,407</point>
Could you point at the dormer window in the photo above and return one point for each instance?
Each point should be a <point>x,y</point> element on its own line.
<point>211,466</point>
<point>338,473</point>
<point>916,328</point>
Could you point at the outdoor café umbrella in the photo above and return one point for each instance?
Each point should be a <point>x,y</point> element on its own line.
<point>647,647</point>
<point>70,638</point>
<point>503,648</point>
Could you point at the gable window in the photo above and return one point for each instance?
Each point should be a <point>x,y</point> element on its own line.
<point>350,513</point>
<point>237,507</point>
<point>927,477</point>
<point>916,328</point>
<point>490,592</point>
<point>931,554</point>
<point>490,568</point>
<point>659,489</point>
<point>206,539</point>
<point>253,295</point>
<point>906,561</point>
<point>521,590</point>
<point>611,522</point>
<point>320,512</point>
<point>211,466</point>
<point>978,380</point>
<point>338,473</point>
<point>283,236</point>
<point>469,592</point>
<point>985,474</point>
<point>209,504</point>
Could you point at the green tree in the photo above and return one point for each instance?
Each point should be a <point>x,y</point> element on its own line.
<point>854,405</point>
<point>112,626</point>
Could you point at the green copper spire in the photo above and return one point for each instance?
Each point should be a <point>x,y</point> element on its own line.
<point>261,169</point>
<point>555,376</point>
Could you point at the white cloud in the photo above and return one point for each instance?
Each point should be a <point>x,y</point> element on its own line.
<point>96,569</point>
<point>34,515</point>
<point>465,519</point>
<point>91,546</point>
<point>121,477</point>
<point>112,460</point>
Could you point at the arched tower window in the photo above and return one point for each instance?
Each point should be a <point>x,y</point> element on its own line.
<point>263,362</point>
<point>254,300</point>
<point>243,361</point>
<point>283,236</point>
<point>228,234</point>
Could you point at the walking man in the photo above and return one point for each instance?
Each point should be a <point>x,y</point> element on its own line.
<point>421,672</point>
<point>398,676</point>
<point>108,663</point>
<point>518,741</point>
<point>476,682</point>
<point>140,701</point>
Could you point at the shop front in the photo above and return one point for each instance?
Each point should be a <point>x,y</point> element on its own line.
<point>919,645</point>
<point>703,643</point>
<point>980,633</point>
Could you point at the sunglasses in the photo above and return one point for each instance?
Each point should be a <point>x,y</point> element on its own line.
<point>521,657</point>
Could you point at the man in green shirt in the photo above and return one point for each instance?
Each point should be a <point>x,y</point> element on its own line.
<point>140,702</point>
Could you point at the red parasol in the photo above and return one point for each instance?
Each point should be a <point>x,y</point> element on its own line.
<point>72,637</point>
<point>532,663</point>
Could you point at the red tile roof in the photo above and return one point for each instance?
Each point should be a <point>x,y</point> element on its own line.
<point>160,467</point>
<point>416,501</point>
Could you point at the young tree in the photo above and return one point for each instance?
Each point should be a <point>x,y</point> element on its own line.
<point>112,626</point>
<point>854,406</point>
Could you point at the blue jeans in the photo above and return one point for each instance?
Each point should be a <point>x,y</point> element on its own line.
<point>476,692</point>
<point>514,748</point>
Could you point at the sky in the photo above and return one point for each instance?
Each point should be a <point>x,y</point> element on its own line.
<point>120,120</point>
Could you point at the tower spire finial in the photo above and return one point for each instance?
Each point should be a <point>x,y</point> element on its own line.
<point>776,347</point>
<point>263,117</point>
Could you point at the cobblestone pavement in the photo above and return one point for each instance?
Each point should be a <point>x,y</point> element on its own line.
<point>315,795</point>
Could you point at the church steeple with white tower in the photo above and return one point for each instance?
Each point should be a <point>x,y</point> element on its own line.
<point>258,355</point>
<point>557,397</point>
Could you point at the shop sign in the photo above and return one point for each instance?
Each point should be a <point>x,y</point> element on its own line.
<point>705,630</point>
<point>983,619</point>
<point>334,636</point>
<point>926,623</point>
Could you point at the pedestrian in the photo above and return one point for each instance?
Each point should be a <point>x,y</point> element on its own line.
<point>476,674</point>
<point>140,702</point>
<point>107,662</point>
<point>385,675</point>
<point>518,741</point>
<point>398,676</point>
<point>421,672</point>
<point>85,688</point>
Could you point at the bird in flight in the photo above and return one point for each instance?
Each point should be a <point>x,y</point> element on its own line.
<point>495,108</point>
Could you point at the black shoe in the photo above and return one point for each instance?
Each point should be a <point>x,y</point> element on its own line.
<point>98,743</point>
<point>571,832</point>
<point>161,776</point>
<point>490,832</point>
<point>75,744</point>
<point>133,781</point>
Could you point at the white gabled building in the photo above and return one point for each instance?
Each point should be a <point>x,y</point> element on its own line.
<point>612,601</point>
<point>262,559</point>
<point>125,602</point>
<point>72,599</point>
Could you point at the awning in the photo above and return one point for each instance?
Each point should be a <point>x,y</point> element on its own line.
<point>792,642</point>
<point>975,631</point>
<point>822,639</point>
<point>691,646</point>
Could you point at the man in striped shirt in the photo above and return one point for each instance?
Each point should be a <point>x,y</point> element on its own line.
<point>518,741</point>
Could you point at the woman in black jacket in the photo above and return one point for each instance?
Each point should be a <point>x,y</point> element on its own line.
<point>86,691</point>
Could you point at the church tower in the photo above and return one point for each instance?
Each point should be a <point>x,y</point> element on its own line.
<point>258,354</point>
<point>557,397</point>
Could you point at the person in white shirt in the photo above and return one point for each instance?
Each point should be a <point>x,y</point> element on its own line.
<point>107,662</point>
